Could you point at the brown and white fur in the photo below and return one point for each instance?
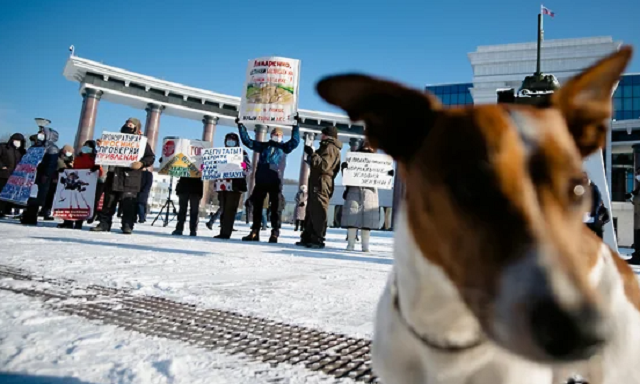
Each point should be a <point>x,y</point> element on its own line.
<point>495,278</point>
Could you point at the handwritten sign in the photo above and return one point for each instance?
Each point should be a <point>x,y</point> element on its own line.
<point>182,157</point>
<point>120,149</point>
<point>75,195</point>
<point>270,91</point>
<point>368,170</point>
<point>222,163</point>
<point>21,182</point>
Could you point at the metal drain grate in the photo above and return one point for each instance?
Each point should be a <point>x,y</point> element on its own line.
<point>269,341</point>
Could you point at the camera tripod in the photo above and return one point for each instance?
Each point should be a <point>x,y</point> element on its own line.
<point>165,208</point>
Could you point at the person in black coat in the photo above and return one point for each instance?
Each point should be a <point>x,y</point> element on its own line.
<point>143,196</point>
<point>190,191</point>
<point>10,155</point>
<point>123,184</point>
<point>46,170</point>
<point>598,215</point>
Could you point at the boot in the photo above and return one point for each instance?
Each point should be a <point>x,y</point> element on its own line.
<point>177,232</point>
<point>221,236</point>
<point>351,239</point>
<point>366,235</point>
<point>193,233</point>
<point>296,228</point>
<point>100,228</point>
<point>253,236</point>
<point>126,229</point>
<point>274,236</point>
<point>78,225</point>
<point>210,223</point>
<point>66,225</point>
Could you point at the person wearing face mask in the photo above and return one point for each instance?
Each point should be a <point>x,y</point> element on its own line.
<point>45,172</point>
<point>230,191</point>
<point>123,184</point>
<point>65,161</point>
<point>86,160</point>
<point>269,176</point>
<point>10,155</point>
<point>361,209</point>
<point>325,165</point>
<point>301,208</point>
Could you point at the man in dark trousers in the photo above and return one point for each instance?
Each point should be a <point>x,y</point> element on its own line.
<point>269,176</point>
<point>123,184</point>
<point>10,155</point>
<point>189,191</point>
<point>325,165</point>
<point>143,196</point>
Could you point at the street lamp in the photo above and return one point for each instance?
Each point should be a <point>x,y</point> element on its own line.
<point>42,122</point>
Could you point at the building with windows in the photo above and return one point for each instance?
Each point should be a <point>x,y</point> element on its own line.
<point>505,66</point>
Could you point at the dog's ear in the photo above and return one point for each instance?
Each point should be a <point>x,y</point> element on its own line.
<point>397,119</point>
<point>585,100</point>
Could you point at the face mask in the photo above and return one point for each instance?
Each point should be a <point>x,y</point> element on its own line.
<point>68,154</point>
<point>127,130</point>
<point>638,177</point>
<point>87,150</point>
<point>231,143</point>
<point>17,144</point>
<point>276,138</point>
<point>41,136</point>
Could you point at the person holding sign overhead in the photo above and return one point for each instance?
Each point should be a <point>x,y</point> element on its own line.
<point>269,176</point>
<point>123,184</point>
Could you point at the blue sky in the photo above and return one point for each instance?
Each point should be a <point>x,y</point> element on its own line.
<point>206,44</point>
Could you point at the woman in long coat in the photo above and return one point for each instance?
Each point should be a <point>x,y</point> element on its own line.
<point>301,207</point>
<point>361,210</point>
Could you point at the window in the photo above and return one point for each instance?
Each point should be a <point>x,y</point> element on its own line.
<point>636,103</point>
<point>627,91</point>
<point>454,98</point>
<point>618,93</point>
<point>617,104</point>
<point>446,99</point>
<point>636,90</point>
<point>627,104</point>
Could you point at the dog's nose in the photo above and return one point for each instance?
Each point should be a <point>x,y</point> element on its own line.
<point>566,335</point>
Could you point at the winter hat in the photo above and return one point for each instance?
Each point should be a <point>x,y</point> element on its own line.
<point>50,134</point>
<point>277,131</point>
<point>66,148</point>
<point>331,132</point>
<point>137,123</point>
<point>91,144</point>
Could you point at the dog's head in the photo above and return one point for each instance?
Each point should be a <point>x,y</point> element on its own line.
<point>495,196</point>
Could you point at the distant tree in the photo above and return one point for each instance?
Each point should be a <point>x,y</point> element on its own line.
<point>290,182</point>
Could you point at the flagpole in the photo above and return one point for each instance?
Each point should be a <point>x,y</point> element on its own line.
<point>538,72</point>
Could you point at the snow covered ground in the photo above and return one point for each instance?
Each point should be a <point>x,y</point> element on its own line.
<point>329,289</point>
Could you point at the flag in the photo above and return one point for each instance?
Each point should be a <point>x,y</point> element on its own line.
<point>547,11</point>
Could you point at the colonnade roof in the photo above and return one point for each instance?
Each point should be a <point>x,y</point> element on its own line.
<point>138,91</point>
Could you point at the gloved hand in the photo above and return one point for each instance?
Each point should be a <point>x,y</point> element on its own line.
<point>308,150</point>
<point>243,165</point>
<point>297,117</point>
<point>391,173</point>
<point>302,204</point>
<point>136,165</point>
<point>237,121</point>
<point>344,166</point>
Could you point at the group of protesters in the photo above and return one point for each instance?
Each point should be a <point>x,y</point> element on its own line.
<point>124,190</point>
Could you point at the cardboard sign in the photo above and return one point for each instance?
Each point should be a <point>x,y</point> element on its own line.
<point>75,195</point>
<point>21,183</point>
<point>182,157</point>
<point>120,149</point>
<point>222,163</point>
<point>368,170</point>
<point>270,92</point>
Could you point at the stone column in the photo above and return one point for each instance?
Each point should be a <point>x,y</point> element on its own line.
<point>305,169</point>
<point>208,132</point>
<point>87,116</point>
<point>398,194</point>
<point>635,259</point>
<point>152,125</point>
<point>261,135</point>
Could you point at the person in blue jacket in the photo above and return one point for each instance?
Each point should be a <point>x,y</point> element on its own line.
<point>269,176</point>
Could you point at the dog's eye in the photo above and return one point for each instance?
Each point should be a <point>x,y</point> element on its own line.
<point>577,191</point>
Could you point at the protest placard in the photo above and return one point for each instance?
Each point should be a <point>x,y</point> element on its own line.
<point>182,157</point>
<point>222,163</point>
<point>368,170</point>
<point>120,149</point>
<point>21,182</point>
<point>75,195</point>
<point>270,92</point>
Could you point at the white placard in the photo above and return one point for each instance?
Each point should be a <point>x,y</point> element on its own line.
<point>120,149</point>
<point>222,163</point>
<point>75,195</point>
<point>270,93</point>
<point>368,170</point>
